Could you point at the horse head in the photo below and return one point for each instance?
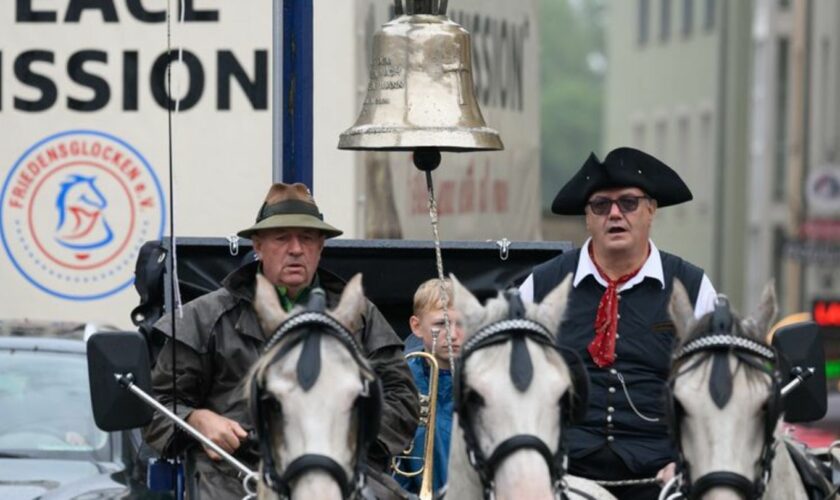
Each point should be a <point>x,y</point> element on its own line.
<point>314,397</point>
<point>725,400</point>
<point>81,223</point>
<point>513,388</point>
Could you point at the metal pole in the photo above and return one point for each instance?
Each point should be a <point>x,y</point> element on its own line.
<point>297,91</point>
<point>127,381</point>
<point>277,91</point>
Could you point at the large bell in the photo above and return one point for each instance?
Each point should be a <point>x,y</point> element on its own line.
<point>421,92</point>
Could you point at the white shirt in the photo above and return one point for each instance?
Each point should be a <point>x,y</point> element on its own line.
<point>652,268</point>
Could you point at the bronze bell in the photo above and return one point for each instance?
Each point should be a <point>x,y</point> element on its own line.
<point>421,92</point>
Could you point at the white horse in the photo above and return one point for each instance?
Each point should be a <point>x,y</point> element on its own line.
<point>512,385</point>
<point>312,425</point>
<point>727,406</point>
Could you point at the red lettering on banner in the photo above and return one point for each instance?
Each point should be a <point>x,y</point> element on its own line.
<point>500,196</point>
<point>147,203</point>
<point>466,192</point>
<point>446,198</point>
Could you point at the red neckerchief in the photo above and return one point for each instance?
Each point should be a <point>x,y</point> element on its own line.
<point>602,348</point>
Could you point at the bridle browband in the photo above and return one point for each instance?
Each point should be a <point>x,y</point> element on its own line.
<point>307,328</point>
<point>719,343</point>
<point>516,329</point>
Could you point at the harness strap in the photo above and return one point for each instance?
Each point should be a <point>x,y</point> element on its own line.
<point>724,479</point>
<point>305,463</point>
<point>521,441</point>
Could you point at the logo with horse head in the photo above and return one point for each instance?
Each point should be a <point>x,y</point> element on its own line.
<point>74,211</point>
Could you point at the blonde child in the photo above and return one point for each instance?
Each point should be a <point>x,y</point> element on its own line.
<point>426,323</point>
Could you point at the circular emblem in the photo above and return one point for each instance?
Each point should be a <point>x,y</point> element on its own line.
<point>823,190</point>
<point>74,211</point>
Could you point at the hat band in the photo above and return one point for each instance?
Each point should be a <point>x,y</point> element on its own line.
<point>289,207</point>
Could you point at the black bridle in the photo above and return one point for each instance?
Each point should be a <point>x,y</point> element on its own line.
<point>307,328</point>
<point>516,329</point>
<point>718,343</point>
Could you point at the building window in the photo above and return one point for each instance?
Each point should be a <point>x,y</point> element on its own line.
<point>709,15</point>
<point>779,240</point>
<point>661,140</point>
<point>684,144</point>
<point>644,21</point>
<point>665,20</point>
<point>780,157</point>
<point>687,17</point>
<point>705,145</point>
<point>639,136</point>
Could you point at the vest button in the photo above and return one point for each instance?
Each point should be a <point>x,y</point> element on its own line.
<point>610,409</point>
<point>610,438</point>
<point>612,390</point>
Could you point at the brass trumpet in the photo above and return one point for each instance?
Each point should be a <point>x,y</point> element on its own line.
<point>428,410</point>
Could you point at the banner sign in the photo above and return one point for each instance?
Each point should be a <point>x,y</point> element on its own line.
<point>84,151</point>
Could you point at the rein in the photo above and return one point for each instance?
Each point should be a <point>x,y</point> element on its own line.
<point>516,329</point>
<point>718,344</point>
<point>308,327</point>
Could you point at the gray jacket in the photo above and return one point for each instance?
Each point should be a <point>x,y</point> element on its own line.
<point>219,338</point>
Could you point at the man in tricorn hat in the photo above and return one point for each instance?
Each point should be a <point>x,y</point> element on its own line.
<point>617,318</point>
<point>219,338</point>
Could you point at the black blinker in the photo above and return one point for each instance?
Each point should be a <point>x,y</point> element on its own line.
<point>720,379</point>
<point>521,367</point>
<point>309,362</point>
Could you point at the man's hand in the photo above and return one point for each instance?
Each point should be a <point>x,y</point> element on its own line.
<point>666,473</point>
<point>226,433</point>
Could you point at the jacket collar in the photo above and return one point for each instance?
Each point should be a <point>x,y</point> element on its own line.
<point>652,268</point>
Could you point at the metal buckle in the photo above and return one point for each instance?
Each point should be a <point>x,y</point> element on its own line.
<point>233,244</point>
<point>504,247</point>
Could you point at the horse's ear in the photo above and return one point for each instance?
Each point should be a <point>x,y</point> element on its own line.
<point>552,309</point>
<point>758,323</point>
<point>680,309</point>
<point>352,305</point>
<point>470,309</point>
<point>267,305</point>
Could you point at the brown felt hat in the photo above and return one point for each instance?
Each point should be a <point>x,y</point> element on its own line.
<point>290,205</point>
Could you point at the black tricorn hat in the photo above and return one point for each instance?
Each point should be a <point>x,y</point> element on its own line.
<point>623,167</point>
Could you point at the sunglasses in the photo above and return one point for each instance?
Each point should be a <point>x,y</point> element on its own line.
<point>626,204</point>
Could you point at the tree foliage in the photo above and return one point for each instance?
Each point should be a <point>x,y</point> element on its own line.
<point>572,73</point>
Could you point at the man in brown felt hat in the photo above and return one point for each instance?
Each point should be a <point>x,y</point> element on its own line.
<point>222,327</point>
<point>617,318</point>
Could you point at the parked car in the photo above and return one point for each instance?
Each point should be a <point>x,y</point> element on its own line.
<point>50,447</point>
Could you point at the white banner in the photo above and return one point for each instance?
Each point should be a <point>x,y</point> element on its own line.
<point>84,155</point>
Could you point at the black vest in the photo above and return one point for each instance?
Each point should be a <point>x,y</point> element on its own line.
<point>646,338</point>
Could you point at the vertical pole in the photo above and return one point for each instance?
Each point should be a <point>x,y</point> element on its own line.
<point>297,91</point>
<point>797,147</point>
<point>277,91</point>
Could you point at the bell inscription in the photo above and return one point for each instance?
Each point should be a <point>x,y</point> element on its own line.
<point>384,75</point>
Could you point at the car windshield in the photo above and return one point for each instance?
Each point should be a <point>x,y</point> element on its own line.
<point>45,405</point>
